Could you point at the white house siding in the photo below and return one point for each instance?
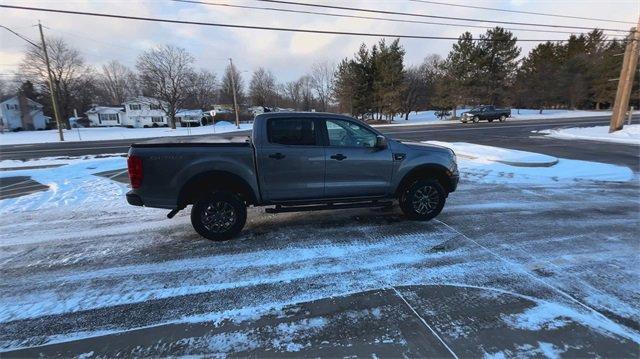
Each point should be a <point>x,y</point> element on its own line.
<point>145,116</point>
<point>106,116</point>
<point>12,116</point>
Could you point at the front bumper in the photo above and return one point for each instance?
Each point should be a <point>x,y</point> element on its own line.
<point>454,182</point>
<point>134,199</point>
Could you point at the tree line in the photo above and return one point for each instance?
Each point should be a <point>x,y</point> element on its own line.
<point>374,83</point>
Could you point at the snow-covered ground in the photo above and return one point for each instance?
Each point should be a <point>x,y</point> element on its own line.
<point>629,134</point>
<point>77,262</point>
<point>489,164</point>
<point>115,133</point>
<point>429,117</point>
<point>119,133</point>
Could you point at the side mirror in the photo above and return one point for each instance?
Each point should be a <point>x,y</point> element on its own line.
<point>381,142</point>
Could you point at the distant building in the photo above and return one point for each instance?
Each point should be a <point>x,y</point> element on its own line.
<point>103,116</point>
<point>189,118</point>
<point>145,112</point>
<point>21,113</point>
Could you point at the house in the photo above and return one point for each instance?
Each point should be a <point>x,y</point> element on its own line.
<point>145,112</point>
<point>189,118</point>
<point>21,113</point>
<point>103,116</point>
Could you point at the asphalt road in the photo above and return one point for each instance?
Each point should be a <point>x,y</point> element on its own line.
<point>510,134</point>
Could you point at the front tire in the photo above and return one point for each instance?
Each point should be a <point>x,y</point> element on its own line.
<point>423,200</point>
<point>219,216</point>
<point>476,119</point>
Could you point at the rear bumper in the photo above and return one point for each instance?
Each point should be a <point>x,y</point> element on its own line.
<point>134,199</point>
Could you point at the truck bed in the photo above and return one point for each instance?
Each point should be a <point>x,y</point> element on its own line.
<point>233,139</point>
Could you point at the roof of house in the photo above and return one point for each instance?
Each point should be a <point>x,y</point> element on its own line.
<point>185,112</point>
<point>100,109</point>
<point>11,97</point>
<point>143,99</point>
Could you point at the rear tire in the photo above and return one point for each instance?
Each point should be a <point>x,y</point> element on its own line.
<point>219,216</point>
<point>423,200</point>
<point>503,118</point>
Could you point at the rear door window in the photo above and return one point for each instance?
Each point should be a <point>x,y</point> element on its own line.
<point>292,131</point>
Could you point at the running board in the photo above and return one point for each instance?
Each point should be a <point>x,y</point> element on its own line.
<point>282,209</point>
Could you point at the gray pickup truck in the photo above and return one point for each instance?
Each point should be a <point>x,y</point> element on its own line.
<point>485,113</point>
<point>292,162</point>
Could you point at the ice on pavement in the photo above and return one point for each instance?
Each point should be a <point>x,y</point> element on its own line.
<point>90,227</point>
<point>481,164</point>
<point>630,134</point>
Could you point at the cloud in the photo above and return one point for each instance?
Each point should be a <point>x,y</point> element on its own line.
<point>288,55</point>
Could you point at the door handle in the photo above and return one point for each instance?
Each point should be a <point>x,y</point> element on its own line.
<point>339,157</point>
<point>277,156</point>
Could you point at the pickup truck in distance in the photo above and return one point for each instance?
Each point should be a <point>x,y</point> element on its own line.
<point>292,162</point>
<point>485,113</point>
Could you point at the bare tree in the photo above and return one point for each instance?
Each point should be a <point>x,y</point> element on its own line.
<point>322,78</point>
<point>72,78</point>
<point>306,92</point>
<point>166,73</point>
<point>262,88</point>
<point>204,90</point>
<point>292,92</point>
<point>116,83</point>
<point>226,88</point>
<point>419,84</point>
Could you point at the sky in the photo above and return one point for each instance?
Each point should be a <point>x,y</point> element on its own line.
<point>287,55</point>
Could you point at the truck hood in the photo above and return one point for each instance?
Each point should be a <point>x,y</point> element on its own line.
<point>425,146</point>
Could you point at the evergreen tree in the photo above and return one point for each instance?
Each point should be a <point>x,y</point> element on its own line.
<point>537,78</point>
<point>497,64</point>
<point>462,73</point>
<point>388,77</point>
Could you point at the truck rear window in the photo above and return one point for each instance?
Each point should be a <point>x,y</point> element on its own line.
<point>291,131</point>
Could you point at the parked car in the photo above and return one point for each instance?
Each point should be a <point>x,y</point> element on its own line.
<point>485,113</point>
<point>292,162</point>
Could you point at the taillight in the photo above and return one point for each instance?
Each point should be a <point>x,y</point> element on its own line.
<point>134,164</point>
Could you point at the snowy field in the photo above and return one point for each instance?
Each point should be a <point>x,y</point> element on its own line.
<point>115,133</point>
<point>429,117</point>
<point>630,134</point>
<point>523,261</point>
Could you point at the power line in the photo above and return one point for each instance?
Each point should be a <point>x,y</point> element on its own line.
<point>431,16</point>
<point>522,12</point>
<point>361,16</point>
<point>252,27</point>
<point>20,36</point>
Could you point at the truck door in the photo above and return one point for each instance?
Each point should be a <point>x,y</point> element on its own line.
<point>354,167</point>
<point>291,160</point>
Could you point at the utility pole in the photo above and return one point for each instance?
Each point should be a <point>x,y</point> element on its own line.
<point>235,100</point>
<point>625,82</point>
<point>54,97</point>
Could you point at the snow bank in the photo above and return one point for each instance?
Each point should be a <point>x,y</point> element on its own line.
<point>497,154</point>
<point>484,164</point>
<point>630,134</point>
<point>115,133</point>
<point>73,183</point>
